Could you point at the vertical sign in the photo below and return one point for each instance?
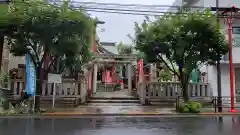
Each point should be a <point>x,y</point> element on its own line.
<point>31,77</point>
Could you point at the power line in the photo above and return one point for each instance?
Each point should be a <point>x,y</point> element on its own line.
<point>116,10</point>
<point>126,11</point>
<point>146,14</point>
<point>133,5</point>
<point>122,7</point>
<point>111,10</point>
<point>131,11</point>
<point>134,12</point>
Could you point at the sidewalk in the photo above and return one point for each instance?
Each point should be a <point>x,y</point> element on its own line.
<point>130,110</point>
<point>115,110</point>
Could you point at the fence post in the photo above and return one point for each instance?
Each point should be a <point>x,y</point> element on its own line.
<point>83,91</point>
<point>219,103</point>
<point>215,104</point>
<point>177,102</point>
<point>142,94</point>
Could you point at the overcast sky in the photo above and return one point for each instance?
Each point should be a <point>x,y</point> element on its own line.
<point>117,26</point>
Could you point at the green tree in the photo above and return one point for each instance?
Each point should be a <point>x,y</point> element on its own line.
<point>124,49</point>
<point>7,24</point>
<point>71,64</point>
<point>164,73</point>
<point>47,30</point>
<point>185,39</point>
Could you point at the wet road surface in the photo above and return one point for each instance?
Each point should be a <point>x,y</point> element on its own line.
<point>121,126</point>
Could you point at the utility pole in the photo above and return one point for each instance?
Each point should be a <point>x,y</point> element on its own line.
<point>219,83</point>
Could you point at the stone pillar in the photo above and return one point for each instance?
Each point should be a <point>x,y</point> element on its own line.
<point>129,72</point>
<point>121,77</point>
<point>84,86</point>
<point>153,73</point>
<point>94,82</point>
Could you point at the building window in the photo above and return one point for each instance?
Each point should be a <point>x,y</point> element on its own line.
<point>236,30</point>
<point>236,36</point>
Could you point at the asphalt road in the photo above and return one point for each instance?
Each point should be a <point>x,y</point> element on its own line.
<point>121,126</point>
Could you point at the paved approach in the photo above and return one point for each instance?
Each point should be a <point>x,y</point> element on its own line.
<point>116,102</point>
<point>120,126</point>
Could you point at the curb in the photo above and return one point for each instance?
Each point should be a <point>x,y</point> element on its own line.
<point>137,114</point>
<point>224,113</point>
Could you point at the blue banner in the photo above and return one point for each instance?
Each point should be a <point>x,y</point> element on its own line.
<point>31,77</point>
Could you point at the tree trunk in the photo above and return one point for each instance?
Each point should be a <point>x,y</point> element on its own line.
<point>185,91</point>
<point>41,76</point>
<point>40,79</point>
<point>184,80</point>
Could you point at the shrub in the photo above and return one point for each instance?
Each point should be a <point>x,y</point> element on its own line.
<point>189,107</point>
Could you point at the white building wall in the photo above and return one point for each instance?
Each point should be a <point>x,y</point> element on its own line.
<point>210,3</point>
<point>212,78</point>
<point>222,3</point>
<point>199,3</point>
<point>14,61</point>
<point>225,79</point>
<point>236,55</point>
<point>225,76</point>
<point>10,61</point>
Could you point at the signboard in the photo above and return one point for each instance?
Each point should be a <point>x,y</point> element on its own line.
<point>54,78</point>
<point>194,76</point>
<point>31,76</point>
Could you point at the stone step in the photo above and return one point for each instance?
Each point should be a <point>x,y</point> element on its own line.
<point>112,104</point>
<point>113,98</point>
<point>112,101</point>
<point>102,88</point>
<point>69,102</point>
<point>108,87</point>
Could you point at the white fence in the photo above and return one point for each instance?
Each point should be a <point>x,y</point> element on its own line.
<point>170,90</point>
<point>68,88</point>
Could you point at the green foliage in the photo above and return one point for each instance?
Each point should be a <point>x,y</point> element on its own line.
<point>164,74</point>
<point>4,103</point>
<point>71,64</point>
<point>124,49</point>
<point>186,38</point>
<point>189,107</point>
<point>140,55</point>
<point>43,29</point>
<point>4,77</point>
